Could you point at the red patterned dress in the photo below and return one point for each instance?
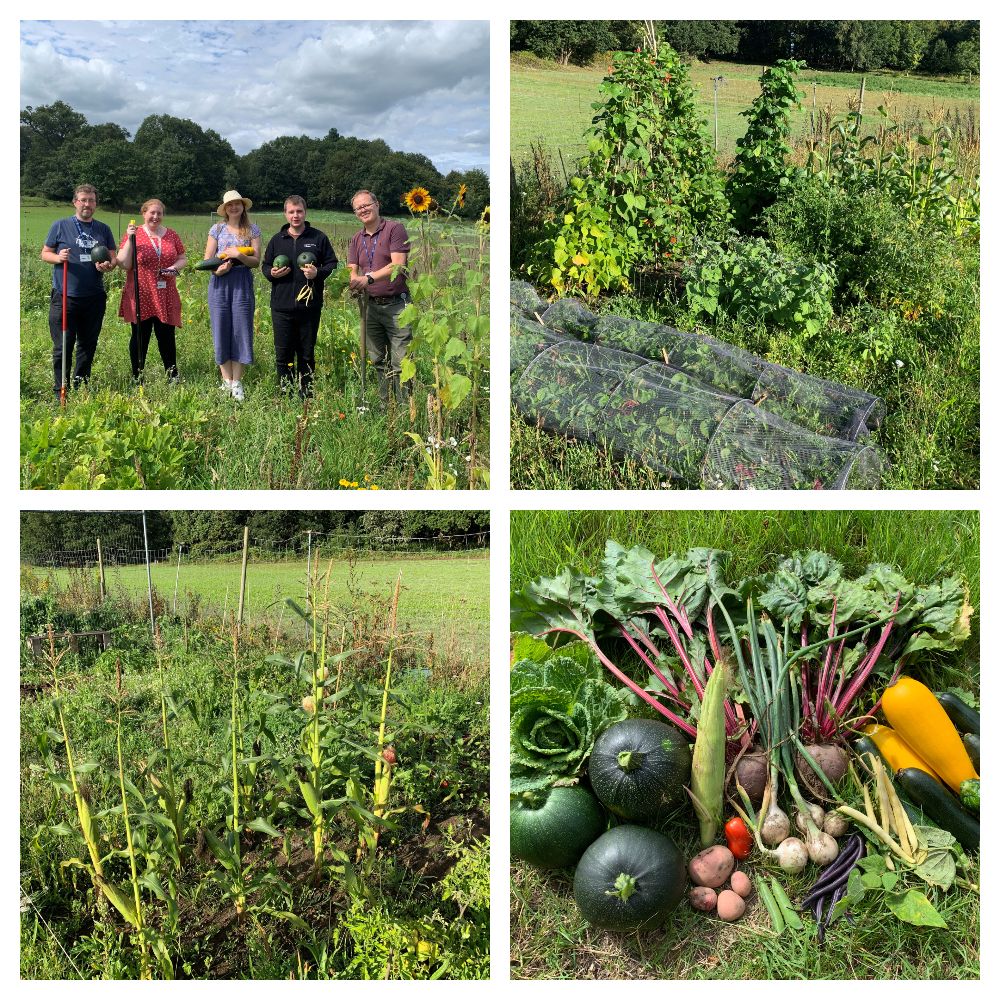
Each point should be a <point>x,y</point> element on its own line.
<point>154,253</point>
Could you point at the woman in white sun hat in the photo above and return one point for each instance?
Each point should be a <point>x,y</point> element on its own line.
<point>230,289</point>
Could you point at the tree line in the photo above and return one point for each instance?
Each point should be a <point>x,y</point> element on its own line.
<point>189,167</point>
<point>938,47</point>
<point>208,532</point>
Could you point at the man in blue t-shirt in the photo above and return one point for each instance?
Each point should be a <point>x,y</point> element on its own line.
<point>73,240</point>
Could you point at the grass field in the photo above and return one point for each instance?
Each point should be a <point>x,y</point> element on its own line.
<point>191,436</point>
<point>550,940</point>
<point>552,103</point>
<point>447,595</point>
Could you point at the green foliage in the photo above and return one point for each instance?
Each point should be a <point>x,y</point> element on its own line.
<point>647,187</point>
<point>568,41</point>
<point>759,169</point>
<point>112,442</point>
<point>715,39</point>
<point>748,278</point>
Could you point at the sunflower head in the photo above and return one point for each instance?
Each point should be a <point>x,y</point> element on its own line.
<point>418,200</point>
<point>463,189</point>
<point>485,217</point>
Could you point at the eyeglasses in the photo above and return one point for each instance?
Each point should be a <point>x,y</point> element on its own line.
<point>363,208</point>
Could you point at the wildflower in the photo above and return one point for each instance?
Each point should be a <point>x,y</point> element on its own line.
<point>418,200</point>
<point>452,442</point>
<point>344,482</point>
<point>375,486</point>
<point>899,364</point>
<point>340,416</point>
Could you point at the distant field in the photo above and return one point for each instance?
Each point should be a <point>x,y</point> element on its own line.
<point>447,595</point>
<point>553,103</point>
<point>193,229</point>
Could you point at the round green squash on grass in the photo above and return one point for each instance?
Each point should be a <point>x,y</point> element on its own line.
<point>631,878</point>
<point>638,766</point>
<point>552,828</point>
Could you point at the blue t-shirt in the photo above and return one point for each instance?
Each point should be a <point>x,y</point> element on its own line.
<point>81,237</point>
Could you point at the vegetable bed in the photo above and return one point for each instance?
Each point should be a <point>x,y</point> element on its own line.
<point>885,881</point>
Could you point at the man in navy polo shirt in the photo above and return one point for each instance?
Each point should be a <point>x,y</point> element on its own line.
<point>374,251</point>
<point>73,240</point>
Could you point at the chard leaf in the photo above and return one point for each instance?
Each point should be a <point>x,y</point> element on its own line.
<point>558,603</point>
<point>915,908</point>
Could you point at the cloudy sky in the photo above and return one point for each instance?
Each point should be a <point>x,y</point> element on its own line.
<point>422,86</point>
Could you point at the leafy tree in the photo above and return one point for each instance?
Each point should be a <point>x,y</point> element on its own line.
<point>702,38</point>
<point>570,41</point>
<point>117,169</point>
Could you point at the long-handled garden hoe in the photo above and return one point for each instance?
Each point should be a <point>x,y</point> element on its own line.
<point>62,386</point>
<point>138,316</point>
<point>363,347</point>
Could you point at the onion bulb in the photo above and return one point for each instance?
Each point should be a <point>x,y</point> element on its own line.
<point>792,855</point>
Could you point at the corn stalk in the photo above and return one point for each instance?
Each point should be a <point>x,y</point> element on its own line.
<point>384,760</point>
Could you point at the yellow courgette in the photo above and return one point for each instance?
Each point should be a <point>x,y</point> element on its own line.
<point>896,752</point>
<point>917,716</point>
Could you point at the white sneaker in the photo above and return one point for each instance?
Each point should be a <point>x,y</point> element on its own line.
<point>238,391</point>
<point>226,388</point>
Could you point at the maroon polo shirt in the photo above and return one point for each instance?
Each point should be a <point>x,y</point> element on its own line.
<point>371,253</point>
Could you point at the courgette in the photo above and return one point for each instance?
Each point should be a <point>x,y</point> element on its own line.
<point>209,264</point>
<point>971,743</point>
<point>940,805</point>
<point>963,715</point>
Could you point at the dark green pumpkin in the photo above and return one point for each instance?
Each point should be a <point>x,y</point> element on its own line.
<point>629,879</point>
<point>280,261</point>
<point>306,257</point>
<point>638,766</point>
<point>100,254</point>
<point>552,828</point>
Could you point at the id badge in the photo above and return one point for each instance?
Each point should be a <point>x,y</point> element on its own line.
<point>161,284</point>
<point>85,258</point>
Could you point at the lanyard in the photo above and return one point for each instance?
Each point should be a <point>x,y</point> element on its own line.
<point>156,242</point>
<point>82,237</point>
<point>369,253</point>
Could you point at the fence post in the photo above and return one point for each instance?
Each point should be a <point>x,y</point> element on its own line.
<point>177,575</point>
<point>861,106</point>
<point>100,570</point>
<point>309,552</point>
<point>715,94</point>
<point>149,577</point>
<point>243,576</point>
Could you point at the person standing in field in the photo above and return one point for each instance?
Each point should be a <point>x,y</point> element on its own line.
<point>297,295</point>
<point>75,242</point>
<point>231,299</point>
<point>380,246</point>
<point>160,254</point>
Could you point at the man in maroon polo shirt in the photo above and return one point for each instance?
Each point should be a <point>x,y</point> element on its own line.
<point>374,251</point>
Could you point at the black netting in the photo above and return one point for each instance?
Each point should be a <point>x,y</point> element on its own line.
<point>669,421</point>
<point>525,298</point>
<point>756,450</point>
<point>818,404</point>
<point>528,338</point>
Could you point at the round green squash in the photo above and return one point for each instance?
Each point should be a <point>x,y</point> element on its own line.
<point>306,257</point>
<point>638,766</point>
<point>552,828</point>
<point>629,879</point>
<point>279,262</point>
<point>100,254</point>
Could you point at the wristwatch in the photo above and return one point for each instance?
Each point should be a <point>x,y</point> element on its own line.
<point>371,280</point>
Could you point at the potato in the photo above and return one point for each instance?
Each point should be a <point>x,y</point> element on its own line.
<point>712,866</point>
<point>702,898</point>
<point>731,905</point>
<point>740,884</point>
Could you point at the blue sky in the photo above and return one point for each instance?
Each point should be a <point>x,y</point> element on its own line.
<point>422,86</point>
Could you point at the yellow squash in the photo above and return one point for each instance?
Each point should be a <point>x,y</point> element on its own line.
<point>895,750</point>
<point>917,716</point>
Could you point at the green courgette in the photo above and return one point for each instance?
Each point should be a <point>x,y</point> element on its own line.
<point>942,807</point>
<point>963,715</point>
<point>971,744</point>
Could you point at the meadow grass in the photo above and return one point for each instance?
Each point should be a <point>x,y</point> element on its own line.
<point>552,103</point>
<point>549,938</point>
<point>441,594</point>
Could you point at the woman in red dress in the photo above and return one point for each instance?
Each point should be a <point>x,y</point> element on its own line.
<point>161,258</point>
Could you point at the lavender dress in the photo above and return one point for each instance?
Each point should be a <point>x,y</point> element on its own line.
<point>231,303</point>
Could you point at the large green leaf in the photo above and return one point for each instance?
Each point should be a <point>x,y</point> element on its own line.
<point>914,907</point>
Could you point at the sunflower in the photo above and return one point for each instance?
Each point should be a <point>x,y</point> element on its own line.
<point>460,197</point>
<point>485,217</point>
<point>417,200</point>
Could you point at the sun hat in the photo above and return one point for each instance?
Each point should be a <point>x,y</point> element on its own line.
<point>233,196</point>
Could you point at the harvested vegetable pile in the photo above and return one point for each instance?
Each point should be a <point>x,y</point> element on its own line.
<point>696,410</point>
<point>653,684</point>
